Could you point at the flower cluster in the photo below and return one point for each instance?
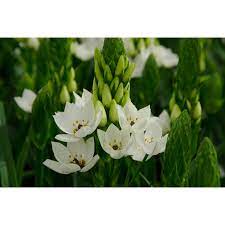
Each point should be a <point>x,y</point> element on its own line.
<point>123,129</point>
<point>141,134</point>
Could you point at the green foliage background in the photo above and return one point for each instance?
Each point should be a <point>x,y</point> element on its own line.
<point>195,153</point>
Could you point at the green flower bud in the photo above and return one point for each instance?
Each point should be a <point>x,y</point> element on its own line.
<point>72,74</point>
<point>97,55</point>
<point>108,75</point>
<point>125,98</point>
<point>100,108</point>
<point>114,84</point>
<point>188,105</point>
<point>100,87</point>
<point>175,112</point>
<point>119,93</point>
<point>128,72</point>
<point>72,86</point>
<point>113,115</point>
<point>141,44</point>
<point>197,112</point>
<point>172,102</point>
<point>94,91</point>
<point>98,72</point>
<point>106,96</point>
<point>120,66</point>
<point>64,95</point>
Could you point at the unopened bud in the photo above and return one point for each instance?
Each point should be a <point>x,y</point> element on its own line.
<point>97,55</point>
<point>64,95</point>
<point>100,87</point>
<point>114,84</point>
<point>120,66</point>
<point>197,111</point>
<point>72,86</point>
<point>100,108</point>
<point>188,105</point>
<point>106,96</point>
<point>128,72</point>
<point>98,72</point>
<point>172,102</point>
<point>125,98</point>
<point>94,91</point>
<point>119,93</point>
<point>113,115</point>
<point>141,44</point>
<point>175,112</point>
<point>72,74</point>
<point>107,74</point>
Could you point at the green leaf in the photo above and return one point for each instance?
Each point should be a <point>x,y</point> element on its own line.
<point>6,157</point>
<point>178,152</point>
<point>188,66</point>
<point>204,171</point>
<point>42,111</point>
<point>113,48</point>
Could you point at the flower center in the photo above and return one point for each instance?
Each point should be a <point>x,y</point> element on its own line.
<point>148,140</point>
<point>79,124</point>
<point>74,160</point>
<point>116,145</point>
<point>132,121</point>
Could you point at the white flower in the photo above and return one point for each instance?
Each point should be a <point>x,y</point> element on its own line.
<point>114,141</point>
<point>78,119</point>
<point>85,50</point>
<point>149,141</point>
<point>164,121</point>
<point>164,56</point>
<point>33,43</point>
<point>81,101</point>
<point>26,101</point>
<point>130,117</point>
<point>140,61</point>
<point>77,156</point>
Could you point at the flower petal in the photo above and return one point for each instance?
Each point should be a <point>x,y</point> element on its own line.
<point>144,112</point>
<point>101,137</point>
<point>161,145</point>
<point>90,164</point>
<point>112,133</point>
<point>61,168</point>
<point>164,120</point>
<point>153,130</point>
<point>61,153</point>
<point>23,104</point>
<point>122,117</point>
<point>66,138</point>
<point>29,96</point>
<point>64,121</point>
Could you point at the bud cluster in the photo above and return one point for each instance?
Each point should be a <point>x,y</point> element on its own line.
<point>193,105</point>
<point>110,89</point>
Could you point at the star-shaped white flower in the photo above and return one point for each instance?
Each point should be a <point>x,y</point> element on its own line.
<point>26,101</point>
<point>164,121</point>
<point>130,117</point>
<point>148,141</point>
<point>77,156</point>
<point>164,57</point>
<point>85,50</point>
<point>78,119</point>
<point>115,142</point>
